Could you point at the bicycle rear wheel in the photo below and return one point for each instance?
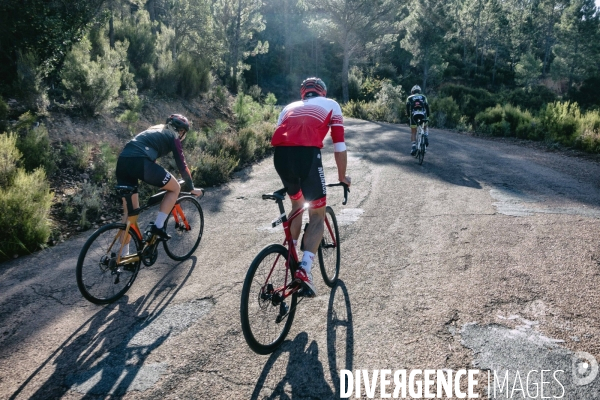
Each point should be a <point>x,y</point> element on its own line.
<point>266,315</point>
<point>99,278</point>
<point>421,147</point>
<point>185,224</point>
<point>329,249</point>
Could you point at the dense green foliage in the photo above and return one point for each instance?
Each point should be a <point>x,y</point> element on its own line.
<point>509,68</point>
<point>25,199</point>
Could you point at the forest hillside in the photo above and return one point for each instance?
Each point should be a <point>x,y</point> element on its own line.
<point>80,78</point>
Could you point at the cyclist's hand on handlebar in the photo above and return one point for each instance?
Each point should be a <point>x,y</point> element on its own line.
<point>198,192</point>
<point>347,180</point>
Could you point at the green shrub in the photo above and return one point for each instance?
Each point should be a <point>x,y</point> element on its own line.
<point>213,170</point>
<point>589,136</point>
<point>470,101</point>
<point>24,219</point>
<point>34,144</point>
<point>354,109</point>
<point>255,92</point>
<point>93,85</point>
<point>132,115</point>
<point>390,100</point>
<point>269,111</point>
<point>104,164</point>
<point>533,99</point>
<point>445,112</point>
<point>9,157</point>
<point>355,79</point>
<point>561,120</point>
<point>255,141</point>
<point>30,86</point>
<point>141,52</point>
<point>506,120</point>
<point>187,77</point>
<point>587,94</point>
<point>88,202</point>
<point>75,156</point>
<point>3,115</point>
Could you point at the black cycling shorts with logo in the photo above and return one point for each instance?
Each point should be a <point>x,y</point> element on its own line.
<point>416,117</point>
<point>301,171</point>
<point>131,169</point>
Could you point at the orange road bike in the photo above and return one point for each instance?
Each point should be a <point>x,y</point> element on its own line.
<point>104,273</point>
<point>270,292</point>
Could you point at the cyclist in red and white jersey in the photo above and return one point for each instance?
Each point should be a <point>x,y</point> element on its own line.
<point>298,139</point>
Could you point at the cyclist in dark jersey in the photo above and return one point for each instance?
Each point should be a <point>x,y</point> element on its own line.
<point>417,108</point>
<point>137,161</point>
<point>298,139</point>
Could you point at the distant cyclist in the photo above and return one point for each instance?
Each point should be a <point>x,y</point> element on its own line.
<point>137,161</point>
<point>298,139</point>
<point>417,108</point>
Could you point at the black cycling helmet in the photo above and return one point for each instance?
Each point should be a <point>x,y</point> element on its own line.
<point>178,121</point>
<point>415,89</point>
<point>313,85</point>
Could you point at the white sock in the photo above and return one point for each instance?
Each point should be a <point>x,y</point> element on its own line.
<point>307,260</point>
<point>160,219</point>
<point>125,250</point>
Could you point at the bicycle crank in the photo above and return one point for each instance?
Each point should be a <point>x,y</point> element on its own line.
<point>150,254</point>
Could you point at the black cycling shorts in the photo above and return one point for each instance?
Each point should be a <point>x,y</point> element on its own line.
<point>301,171</point>
<point>416,117</point>
<point>131,169</point>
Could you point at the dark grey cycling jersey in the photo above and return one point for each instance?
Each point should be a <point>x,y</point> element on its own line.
<point>158,141</point>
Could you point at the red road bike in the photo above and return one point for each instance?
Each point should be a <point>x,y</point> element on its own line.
<point>270,292</point>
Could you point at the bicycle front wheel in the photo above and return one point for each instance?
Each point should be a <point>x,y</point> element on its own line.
<point>329,249</point>
<point>267,308</point>
<point>99,278</point>
<point>421,150</point>
<point>185,224</point>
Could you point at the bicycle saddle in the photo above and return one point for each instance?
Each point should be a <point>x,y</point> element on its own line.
<point>123,190</point>
<point>278,195</point>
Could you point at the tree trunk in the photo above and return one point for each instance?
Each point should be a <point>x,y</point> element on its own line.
<point>236,47</point>
<point>425,70</point>
<point>345,67</point>
<point>151,6</point>
<point>111,26</point>
<point>495,63</point>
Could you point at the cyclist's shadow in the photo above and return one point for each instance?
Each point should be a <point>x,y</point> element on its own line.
<point>304,374</point>
<point>105,355</point>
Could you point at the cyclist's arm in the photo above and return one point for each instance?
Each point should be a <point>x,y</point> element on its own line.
<point>341,161</point>
<point>408,108</point>
<point>339,145</point>
<point>427,109</point>
<point>181,164</point>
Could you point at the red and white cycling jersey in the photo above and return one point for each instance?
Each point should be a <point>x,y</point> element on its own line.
<point>306,123</point>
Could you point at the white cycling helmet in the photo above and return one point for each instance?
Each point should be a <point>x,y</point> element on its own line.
<point>415,89</point>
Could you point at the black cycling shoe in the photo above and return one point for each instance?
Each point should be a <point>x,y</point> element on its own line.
<point>413,151</point>
<point>426,141</point>
<point>160,232</point>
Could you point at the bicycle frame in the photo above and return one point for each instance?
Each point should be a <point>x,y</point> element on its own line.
<point>132,218</point>
<point>288,290</point>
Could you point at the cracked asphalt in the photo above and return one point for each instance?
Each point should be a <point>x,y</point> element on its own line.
<point>485,257</point>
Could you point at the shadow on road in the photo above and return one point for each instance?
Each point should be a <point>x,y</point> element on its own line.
<point>106,354</point>
<point>340,334</point>
<point>304,375</point>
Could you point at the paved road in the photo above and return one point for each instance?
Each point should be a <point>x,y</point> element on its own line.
<point>485,257</point>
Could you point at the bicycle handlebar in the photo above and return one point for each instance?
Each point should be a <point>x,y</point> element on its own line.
<point>346,190</point>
